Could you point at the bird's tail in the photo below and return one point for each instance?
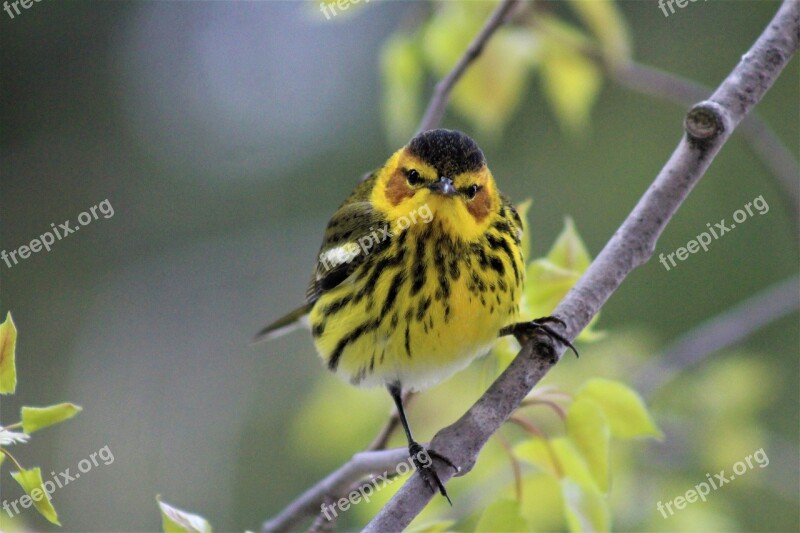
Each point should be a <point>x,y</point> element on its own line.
<point>283,325</point>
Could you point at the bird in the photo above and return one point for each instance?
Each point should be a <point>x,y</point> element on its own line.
<point>419,272</point>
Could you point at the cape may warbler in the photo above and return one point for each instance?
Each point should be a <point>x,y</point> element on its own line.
<point>419,272</point>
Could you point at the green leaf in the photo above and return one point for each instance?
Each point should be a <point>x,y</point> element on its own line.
<point>36,418</point>
<point>606,22</point>
<point>8,346</point>
<point>586,509</point>
<point>537,451</point>
<point>174,520</point>
<point>572,463</point>
<point>624,409</point>
<point>558,457</point>
<point>542,504</point>
<point>502,515</point>
<point>569,252</point>
<point>31,482</point>
<point>571,83</point>
<point>402,87</point>
<point>550,278</point>
<point>588,429</point>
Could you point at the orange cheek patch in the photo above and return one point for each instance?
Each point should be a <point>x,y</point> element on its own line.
<point>480,206</point>
<point>397,189</point>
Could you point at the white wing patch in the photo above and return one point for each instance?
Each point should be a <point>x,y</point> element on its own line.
<point>330,259</point>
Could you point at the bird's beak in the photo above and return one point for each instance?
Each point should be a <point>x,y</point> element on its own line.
<point>444,187</point>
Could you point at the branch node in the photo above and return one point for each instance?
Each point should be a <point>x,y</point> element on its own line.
<point>705,122</point>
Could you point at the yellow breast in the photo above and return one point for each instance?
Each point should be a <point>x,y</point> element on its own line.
<point>422,308</point>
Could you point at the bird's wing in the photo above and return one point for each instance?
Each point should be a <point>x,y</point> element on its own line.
<point>346,245</point>
<point>339,256</point>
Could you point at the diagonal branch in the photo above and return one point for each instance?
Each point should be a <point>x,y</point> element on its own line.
<point>762,140</point>
<point>441,93</point>
<point>708,126</point>
<point>720,332</point>
<point>338,482</point>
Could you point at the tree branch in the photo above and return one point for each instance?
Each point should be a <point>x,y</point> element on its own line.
<point>720,332</point>
<point>762,140</point>
<point>435,112</point>
<point>708,126</point>
<point>336,483</point>
<point>652,81</point>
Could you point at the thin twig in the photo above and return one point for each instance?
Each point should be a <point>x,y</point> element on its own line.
<point>720,332</point>
<point>309,504</point>
<point>549,403</point>
<point>708,126</point>
<point>516,468</point>
<point>441,94</point>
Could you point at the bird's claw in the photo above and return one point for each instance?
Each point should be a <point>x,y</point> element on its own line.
<point>524,330</point>
<point>427,470</point>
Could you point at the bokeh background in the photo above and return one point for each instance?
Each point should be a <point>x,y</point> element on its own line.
<point>224,135</point>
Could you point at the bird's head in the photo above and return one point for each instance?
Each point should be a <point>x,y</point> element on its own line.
<point>442,173</point>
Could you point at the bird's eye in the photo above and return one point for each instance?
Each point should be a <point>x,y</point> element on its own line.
<point>414,178</point>
<point>472,191</point>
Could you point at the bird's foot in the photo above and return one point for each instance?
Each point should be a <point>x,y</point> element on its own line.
<point>423,461</point>
<point>523,331</point>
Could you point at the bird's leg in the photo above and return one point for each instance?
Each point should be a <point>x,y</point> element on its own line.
<point>417,452</point>
<point>523,331</point>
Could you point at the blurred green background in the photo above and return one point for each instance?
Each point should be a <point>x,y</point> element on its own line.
<point>224,135</point>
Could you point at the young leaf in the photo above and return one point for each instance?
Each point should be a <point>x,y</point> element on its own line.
<point>569,252</point>
<point>31,482</point>
<point>502,515</point>
<point>36,418</point>
<point>8,346</point>
<point>606,22</point>
<point>587,427</point>
<point>174,520</point>
<point>571,83</point>
<point>548,279</point>
<point>558,457</point>
<point>573,464</point>
<point>542,503</point>
<point>536,451</point>
<point>624,409</point>
<point>586,509</point>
